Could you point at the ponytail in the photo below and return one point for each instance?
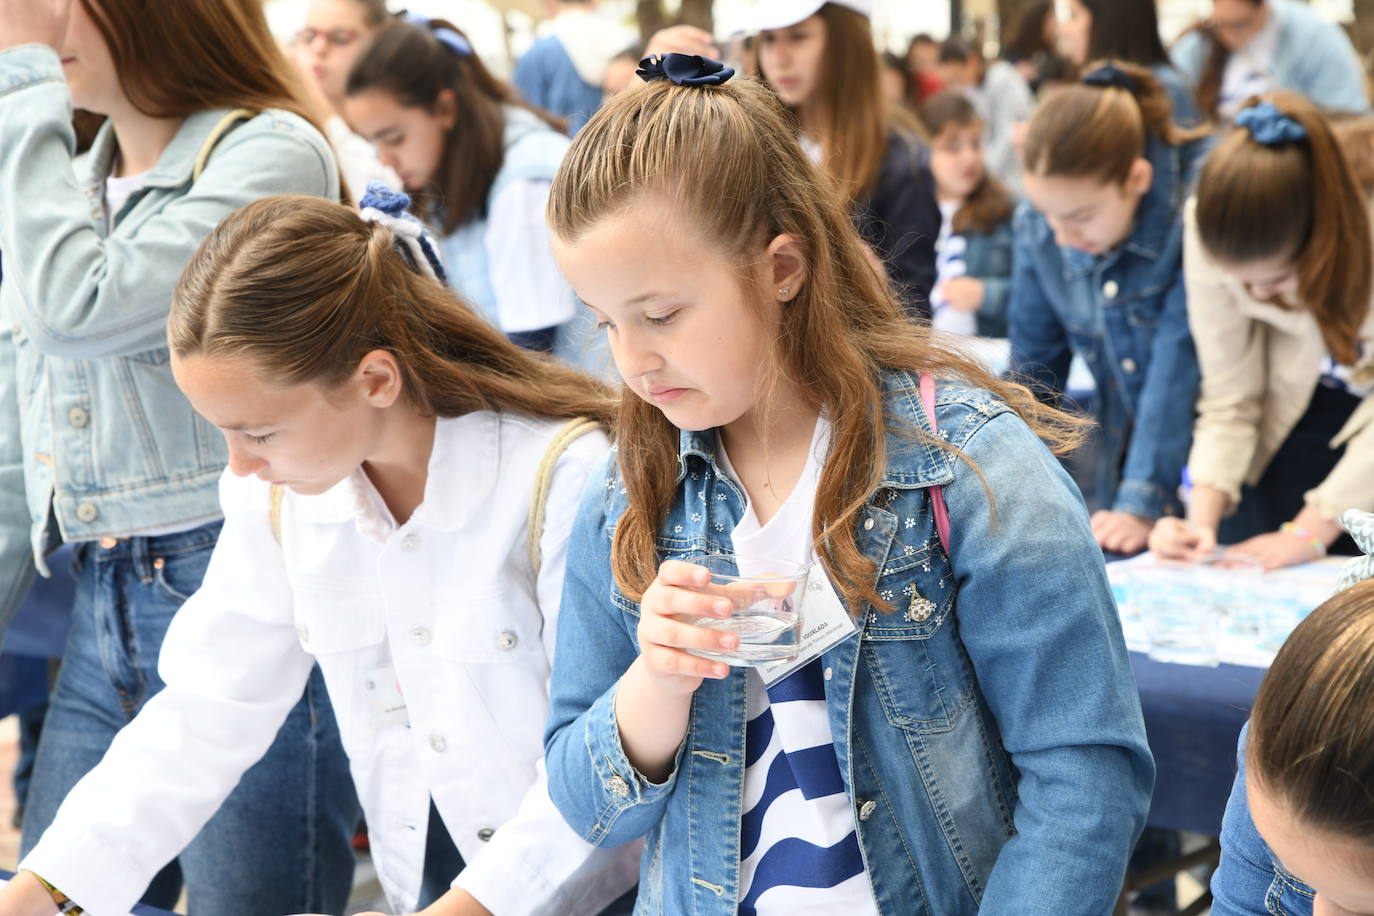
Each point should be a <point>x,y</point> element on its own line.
<point>1292,194</point>
<point>1099,128</point>
<point>304,288</point>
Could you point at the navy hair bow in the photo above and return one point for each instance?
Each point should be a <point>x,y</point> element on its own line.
<point>456,43</point>
<point>392,209</point>
<point>684,70</point>
<point>1270,126</point>
<point>1110,76</point>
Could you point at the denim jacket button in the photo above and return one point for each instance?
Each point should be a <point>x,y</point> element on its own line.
<point>1128,366</point>
<point>78,417</point>
<point>1110,289</point>
<point>87,512</point>
<point>829,672</point>
<point>619,787</point>
<point>868,524</point>
<point>866,809</point>
<point>485,834</point>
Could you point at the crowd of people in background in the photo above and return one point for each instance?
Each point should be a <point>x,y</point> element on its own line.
<point>386,409</point>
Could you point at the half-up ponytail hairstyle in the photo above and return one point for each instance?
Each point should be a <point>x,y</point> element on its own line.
<point>415,61</point>
<point>1099,128</point>
<point>724,160</point>
<point>1292,194</point>
<point>304,288</point>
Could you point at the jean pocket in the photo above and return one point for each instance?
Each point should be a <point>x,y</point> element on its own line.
<point>178,577</point>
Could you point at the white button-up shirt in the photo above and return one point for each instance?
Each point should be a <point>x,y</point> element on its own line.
<point>436,642</point>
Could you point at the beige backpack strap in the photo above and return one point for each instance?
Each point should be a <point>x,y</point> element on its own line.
<point>544,478</point>
<point>225,125</point>
<point>275,496</point>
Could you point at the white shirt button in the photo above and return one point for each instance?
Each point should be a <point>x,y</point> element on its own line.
<point>78,417</point>
<point>87,512</point>
<point>437,743</point>
<point>410,542</point>
<point>866,809</point>
<point>1110,289</point>
<point>419,636</point>
<point>303,632</point>
<point>1128,366</point>
<point>619,787</point>
<point>829,673</point>
<point>485,834</point>
<point>506,640</point>
<point>868,524</point>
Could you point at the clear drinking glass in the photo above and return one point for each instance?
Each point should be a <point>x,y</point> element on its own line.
<point>1234,584</point>
<point>1180,625</point>
<point>767,608</point>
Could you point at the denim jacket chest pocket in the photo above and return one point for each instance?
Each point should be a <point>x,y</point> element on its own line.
<point>913,652</point>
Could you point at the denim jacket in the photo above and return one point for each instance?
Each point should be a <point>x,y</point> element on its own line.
<point>104,435</point>
<point>990,738</point>
<point>1248,880</point>
<point>1126,313</point>
<point>988,257</point>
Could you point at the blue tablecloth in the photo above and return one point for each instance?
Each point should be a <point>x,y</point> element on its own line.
<point>1193,716</point>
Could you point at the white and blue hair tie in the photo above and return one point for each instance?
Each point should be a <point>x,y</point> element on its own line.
<point>451,39</point>
<point>392,209</point>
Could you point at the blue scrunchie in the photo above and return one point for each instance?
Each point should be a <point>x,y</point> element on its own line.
<point>684,70</point>
<point>1270,126</point>
<point>392,209</point>
<point>456,43</point>
<point>1110,76</point>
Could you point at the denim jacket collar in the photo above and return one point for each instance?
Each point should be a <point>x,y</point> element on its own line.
<point>176,164</point>
<point>1156,216</point>
<point>911,463</point>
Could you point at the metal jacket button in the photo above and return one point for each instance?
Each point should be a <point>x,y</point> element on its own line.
<point>87,512</point>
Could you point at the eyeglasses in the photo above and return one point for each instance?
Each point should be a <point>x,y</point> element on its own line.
<point>338,38</point>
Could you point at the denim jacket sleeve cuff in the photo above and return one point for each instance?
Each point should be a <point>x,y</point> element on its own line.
<point>622,788</point>
<point>26,65</point>
<point>1141,498</point>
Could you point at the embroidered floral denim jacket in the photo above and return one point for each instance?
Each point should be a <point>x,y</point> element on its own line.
<point>988,729</point>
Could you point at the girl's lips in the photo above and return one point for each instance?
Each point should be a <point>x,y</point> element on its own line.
<point>664,395</point>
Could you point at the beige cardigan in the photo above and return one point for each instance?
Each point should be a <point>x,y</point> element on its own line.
<point>1260,364</point>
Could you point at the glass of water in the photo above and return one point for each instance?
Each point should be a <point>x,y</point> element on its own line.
<point>1180,623</point>
<point>767,608</point>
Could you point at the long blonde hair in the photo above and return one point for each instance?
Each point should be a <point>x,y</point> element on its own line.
<point>305,288</point>
<point>729,164</point>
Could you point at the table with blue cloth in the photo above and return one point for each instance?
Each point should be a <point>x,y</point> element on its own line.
<point>1193,717</point>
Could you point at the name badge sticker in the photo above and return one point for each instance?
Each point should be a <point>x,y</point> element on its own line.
<point>824,625</point>
<point>386,704</point>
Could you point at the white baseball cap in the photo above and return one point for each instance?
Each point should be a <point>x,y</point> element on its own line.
<point>779,14</point>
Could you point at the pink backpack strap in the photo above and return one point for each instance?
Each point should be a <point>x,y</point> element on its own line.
<point>937,493</point>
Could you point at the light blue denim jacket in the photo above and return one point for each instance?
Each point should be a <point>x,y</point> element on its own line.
<point>103,433</point>
<point>1126,314</point>
<point>991,742</point>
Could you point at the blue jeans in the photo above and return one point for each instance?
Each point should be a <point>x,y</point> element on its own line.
<point>281,841</point>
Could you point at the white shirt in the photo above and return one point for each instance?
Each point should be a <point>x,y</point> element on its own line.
<point>530,291</point>
<point>445,606</point>
<point>951,261</point>
<point>793,791</point>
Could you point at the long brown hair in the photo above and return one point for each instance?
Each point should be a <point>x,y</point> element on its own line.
<point>411,64</point>
<point>175,59</point>
<point>856,116</point>
<point>1298,199</point>
<point>1098,132</point>
<point>727,161</point>
<point>990,204</point>
<point>305,288</point>
<point>1311,741</point>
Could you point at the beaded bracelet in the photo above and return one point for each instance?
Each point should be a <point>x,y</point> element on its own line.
<point>66,904</point>
<point>1312,540</point>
